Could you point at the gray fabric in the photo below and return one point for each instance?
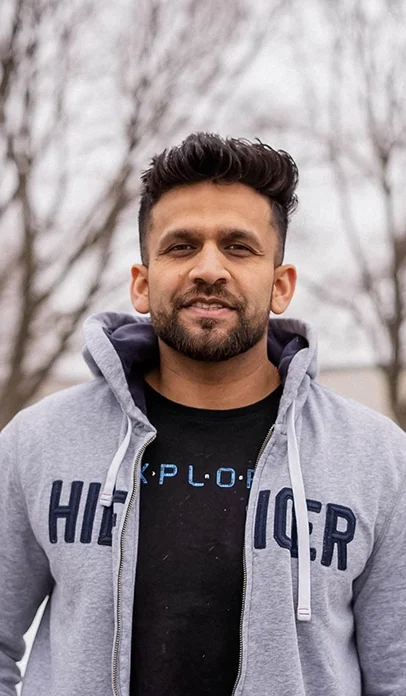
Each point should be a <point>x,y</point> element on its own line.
<point>353,461</point>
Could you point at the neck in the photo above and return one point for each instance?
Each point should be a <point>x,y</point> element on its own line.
<point>234,383</point>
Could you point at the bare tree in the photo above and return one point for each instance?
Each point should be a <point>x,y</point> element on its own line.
<point>86,93</point>
<point>350,59</point>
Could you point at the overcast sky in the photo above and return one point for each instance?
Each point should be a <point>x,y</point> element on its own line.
<point>273,87</point>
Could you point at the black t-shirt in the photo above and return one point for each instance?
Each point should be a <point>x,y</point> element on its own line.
<point>195,483</point>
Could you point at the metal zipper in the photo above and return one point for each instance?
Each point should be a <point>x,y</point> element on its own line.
<point>116,689</point>
<point>244,583</point>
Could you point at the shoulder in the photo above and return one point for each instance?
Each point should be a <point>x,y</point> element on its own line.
<point>361,434</point>
<point>67,409</point>
<point>350,412</point>
<point>66,432</point>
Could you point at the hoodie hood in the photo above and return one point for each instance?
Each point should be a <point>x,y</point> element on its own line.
<point>124,347</point>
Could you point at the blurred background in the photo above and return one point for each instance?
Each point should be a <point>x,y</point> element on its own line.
<point>90,90</point>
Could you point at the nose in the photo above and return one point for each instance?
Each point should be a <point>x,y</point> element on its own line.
<point>209,266</point>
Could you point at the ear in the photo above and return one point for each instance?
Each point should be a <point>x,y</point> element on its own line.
<point>139,288</point>
<point>283,288</point>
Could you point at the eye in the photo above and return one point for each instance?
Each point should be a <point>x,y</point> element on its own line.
<point>181,247</point>
<point>239,248</point>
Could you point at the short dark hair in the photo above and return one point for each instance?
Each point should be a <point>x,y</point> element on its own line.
<point>208,157</point>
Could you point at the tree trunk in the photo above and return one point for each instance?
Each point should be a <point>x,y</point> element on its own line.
<point>397,403</point>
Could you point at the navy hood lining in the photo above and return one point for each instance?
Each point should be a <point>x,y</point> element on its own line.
<point>136,344</point>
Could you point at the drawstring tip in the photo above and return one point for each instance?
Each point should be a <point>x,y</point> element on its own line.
<point>304,614</point>
<point>106,499</point>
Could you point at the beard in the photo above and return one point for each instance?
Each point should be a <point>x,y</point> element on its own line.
<point>208,344</point>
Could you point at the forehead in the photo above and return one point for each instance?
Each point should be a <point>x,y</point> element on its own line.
<point>209,207</point>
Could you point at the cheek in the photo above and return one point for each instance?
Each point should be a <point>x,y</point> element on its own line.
<point>260,294</point>
<point>161,290</point>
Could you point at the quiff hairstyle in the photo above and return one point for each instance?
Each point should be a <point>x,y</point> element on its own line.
<point>208,157</point>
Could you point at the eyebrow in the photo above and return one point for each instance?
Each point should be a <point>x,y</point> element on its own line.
<point>226,234</point>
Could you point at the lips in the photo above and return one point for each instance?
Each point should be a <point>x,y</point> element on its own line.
<point>209,304</point>
<point>208,307</point>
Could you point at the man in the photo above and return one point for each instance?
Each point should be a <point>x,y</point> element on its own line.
<point>204,516</point>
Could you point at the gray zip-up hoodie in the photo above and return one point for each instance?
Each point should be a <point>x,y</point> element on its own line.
<point>324,611</point>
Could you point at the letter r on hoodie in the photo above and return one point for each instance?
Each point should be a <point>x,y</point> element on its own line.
<point>333,536</point>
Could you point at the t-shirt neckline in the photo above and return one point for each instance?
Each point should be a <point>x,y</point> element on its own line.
<point>161,401</point>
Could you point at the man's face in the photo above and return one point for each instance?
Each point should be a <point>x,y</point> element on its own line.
<point>209,283</point>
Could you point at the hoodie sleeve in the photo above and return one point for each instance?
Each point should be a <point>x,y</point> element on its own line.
<point>380,609</point>
<point>25,579</point>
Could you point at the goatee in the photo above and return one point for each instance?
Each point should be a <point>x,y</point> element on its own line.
<point>209,345</point>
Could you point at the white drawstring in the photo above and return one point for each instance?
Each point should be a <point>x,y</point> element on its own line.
<point>302,520</point>
<point>106,498</point>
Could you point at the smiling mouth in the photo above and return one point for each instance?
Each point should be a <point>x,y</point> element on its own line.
<point>209,303</point>
<point>212,310</point>
<point>210,306</point>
